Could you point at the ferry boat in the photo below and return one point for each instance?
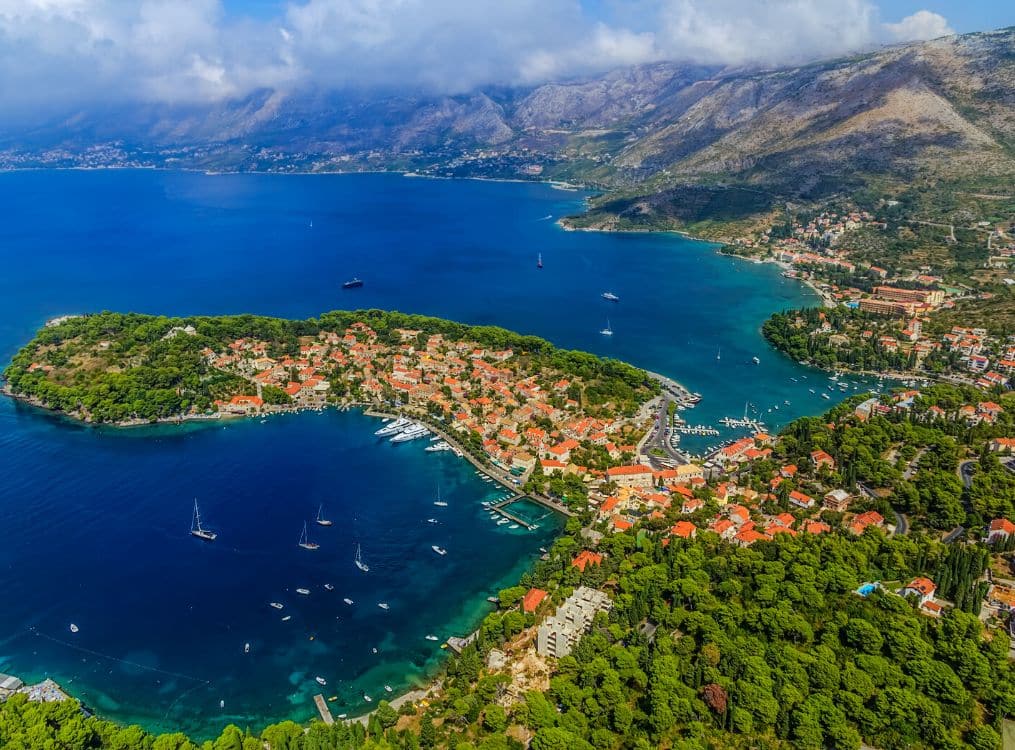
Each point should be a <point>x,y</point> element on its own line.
<point>197,530</point>
<point>439,550</point>
<point>276,605</point>
<point>608,331</point>
<point>305,542</point>
<point>397,426</point>
<point>303,592</point>
<point>383,605</point>
<point>321,681</point>
<point>432,638</point>
<point>353,283</point>
<point>610,297</point>
<point>321,520</point>
<point>360,564</point>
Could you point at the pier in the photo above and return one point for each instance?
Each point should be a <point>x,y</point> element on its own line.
<point>323,710</point>
<point>695,430</point>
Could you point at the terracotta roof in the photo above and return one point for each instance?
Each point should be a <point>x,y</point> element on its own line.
<point>532,599</point>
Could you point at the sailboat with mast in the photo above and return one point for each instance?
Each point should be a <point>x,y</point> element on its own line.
<point>539,261</point>
<point>359,563</point>
<point>438,502</point>
<point>321,520</point>
<point>608,331</point>
<point>305,542</point>
<point>197,530</point>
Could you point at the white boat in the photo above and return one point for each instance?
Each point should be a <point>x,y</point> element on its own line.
<point>276,605</point>
<point>348,601</point>
<point>383,605</point>
<point>610,297</point>
<point>305,542</point>
<point>431,520</point>
<point>608,331</point>
<point>391,428</point>
<point>73,628</point>
<point>439,550</point>
<point>438,502</point>
<point>320,681</point>
<point>287,618</point>
<point>197,530</point>
<point>246,648</point>
<point>755,360</point>
<point>359,561</point>
<point>513,526</point>
<point>825,395</point>
<point>321,520</point>
<point>303,592</point>
<point>328,587</point>
<point>432,638</point>
<point>718,353</point>
<point>367,698</point>
<point>412,433</point>
<point>503,521</point>
<point>388,688</point>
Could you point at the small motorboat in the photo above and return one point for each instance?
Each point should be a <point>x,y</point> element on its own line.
<point>303,592</point>
<point>348,601</point>
<point>287,618</point>
<point>275,605</point>
<point>383,605</point>
<point>246,648</point>
<point>320,681</point>
<point>73,628</point>
<point>439,550</point>
<point>387,688</point>
<point>328,587</point>
<point>431,520</point>
<point>432,638</point>
<point>367,698</point>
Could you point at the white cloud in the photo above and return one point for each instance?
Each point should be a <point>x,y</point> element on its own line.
<point>70,52</point>
<point>921,25</point>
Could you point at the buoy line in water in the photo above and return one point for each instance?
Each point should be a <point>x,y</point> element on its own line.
<point>101,655</point>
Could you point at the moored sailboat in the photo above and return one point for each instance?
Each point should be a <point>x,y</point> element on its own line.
<point>359,561</point>
<point>321,520</point>
<point>197,530</point>
<point>305,542</point>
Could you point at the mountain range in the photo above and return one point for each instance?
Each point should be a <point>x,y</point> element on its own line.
<point>661,139</point>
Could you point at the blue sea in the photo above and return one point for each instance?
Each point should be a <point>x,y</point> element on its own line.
<point>96,519</point>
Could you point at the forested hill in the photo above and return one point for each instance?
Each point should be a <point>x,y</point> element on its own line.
<point>115,367</point>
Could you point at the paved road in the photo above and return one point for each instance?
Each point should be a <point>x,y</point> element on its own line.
<point>966,469</point>
<point>901,523</point>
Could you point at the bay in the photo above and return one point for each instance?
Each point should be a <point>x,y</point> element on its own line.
<point>96,519</point>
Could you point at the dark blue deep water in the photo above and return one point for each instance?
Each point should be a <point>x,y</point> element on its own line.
<point>95,520</point>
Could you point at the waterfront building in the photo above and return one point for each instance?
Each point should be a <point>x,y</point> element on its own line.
<point>635,475</point>
<point>559,634</point>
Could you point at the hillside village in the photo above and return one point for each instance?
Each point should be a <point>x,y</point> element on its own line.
<point>885,319</point>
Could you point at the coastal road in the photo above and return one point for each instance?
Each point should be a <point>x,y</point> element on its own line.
<point>901,523</point>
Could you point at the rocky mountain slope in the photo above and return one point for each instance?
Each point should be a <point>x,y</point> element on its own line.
<point>940,110</point>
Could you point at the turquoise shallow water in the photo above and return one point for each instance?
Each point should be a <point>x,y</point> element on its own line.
<point>97,519</point>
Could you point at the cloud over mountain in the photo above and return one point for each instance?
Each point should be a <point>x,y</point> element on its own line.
<point>58,54</point>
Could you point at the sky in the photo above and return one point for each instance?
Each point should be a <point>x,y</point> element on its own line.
<point>68,53</point>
